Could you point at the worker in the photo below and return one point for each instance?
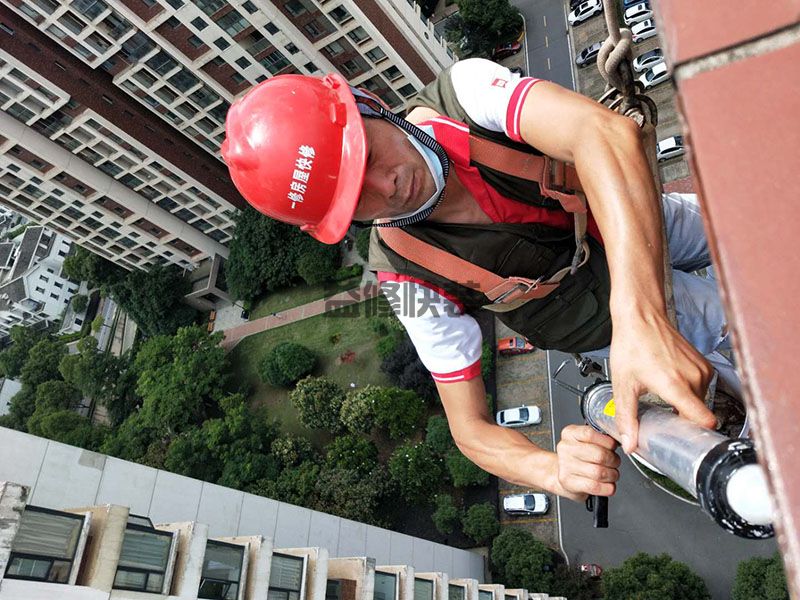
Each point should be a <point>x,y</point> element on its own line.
<point>318,154</point>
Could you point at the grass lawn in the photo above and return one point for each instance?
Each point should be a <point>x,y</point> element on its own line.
<point>300,294</point>
<point>354,334</point>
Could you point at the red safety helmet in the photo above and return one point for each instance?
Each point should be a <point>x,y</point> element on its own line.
<point>296,151</point>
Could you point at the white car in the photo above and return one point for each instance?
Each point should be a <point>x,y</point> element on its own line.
<point>648,59</point>
<point>526,504</point>
<point>655,75</point>
<point>522,416</point>
<point>670,148</point>
<point>643,30</point>
<point>637,13</point>
<point>584,11</point>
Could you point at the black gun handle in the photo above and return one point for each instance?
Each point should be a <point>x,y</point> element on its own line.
<point>598,505</point>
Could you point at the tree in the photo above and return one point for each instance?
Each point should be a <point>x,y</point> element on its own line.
<point>42,362</point>
<point>286,364</point>
<point>179,378</point>
<point>358,409</point>
<point>290,450</point>
<point>13,358</point>
<point>415,470</point>
<point>56,395</point>
<point>447,515</point>
<point>79,303</point>
<point>362,242</point>
<point>480,522</point>
<point>154,299</point>
<point>761,578</point>
<point>318,401</point>
<point>318,263</point>
<point>68,427</point>
<point>21,408</point>
<point>131,439</point>
<point>295,486</point>
<point>438,436</point>
<point>84,265</point>
<point>520,560</point>
<point>398,411</point>
<point>189,454</point>
<point>353,453</point>
<point>351,494</point>
<point>482,24</point>
<point>653,578</point>
<point>463,471</point>
<point>406,371</point>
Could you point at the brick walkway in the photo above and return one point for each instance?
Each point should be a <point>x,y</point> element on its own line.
<point>304,311</point>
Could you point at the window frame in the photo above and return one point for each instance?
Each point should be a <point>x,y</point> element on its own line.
<point>147,572</point>
<point>223,581</point>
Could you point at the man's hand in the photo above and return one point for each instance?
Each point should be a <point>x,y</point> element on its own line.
<point>587,463</point>
<point>649,355</point>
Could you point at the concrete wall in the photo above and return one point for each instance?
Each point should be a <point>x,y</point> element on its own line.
<point>255,581</point>
<point>106,531</point>
<point>12,503</point>
<point>471,585</point>
<point>61,475</point>
<point>360,570</point>
<point>17,589</point>
<point>405,577</point>
<point>316,570</point>
<point>497,590</point>
<point>190,546</point>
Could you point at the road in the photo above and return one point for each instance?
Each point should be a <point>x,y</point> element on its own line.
<point>642,518</point>
<point>548,49</point>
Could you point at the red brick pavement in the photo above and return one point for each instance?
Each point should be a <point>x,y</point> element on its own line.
<point>304,311</point>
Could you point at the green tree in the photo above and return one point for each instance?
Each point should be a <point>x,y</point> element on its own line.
<point>56,395</point>
<point>83,265</point>
<point>189,454</point>
<point>286,364</point>
<point>13,358</point>
<point>358,409</point>
<point>318,263</point>
<point>179,377</point>
<point>399,411</point>
<point>68,427</point>
<point>79,303</point>
<point>482,24</point>
<point>362,242</point>
<point>42,363</point>
<point>131,440</point>
<point>520,560</point>
<point>651,577</point>
<point>318,401</point>
<point>762,578</point>
<point>446,516</point>
<point>437,435</point>
<point>463,471</point>
<point>415,470</point>
<point>350,494</point>
<point>154,299</point>
<point>353,453</point>
<point>480,522</point>
<point>295,486</point>
<point>290,450</point>
<point>21,408</point>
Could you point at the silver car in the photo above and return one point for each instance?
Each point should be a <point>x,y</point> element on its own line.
<point>588,55</point>
<point>648,59</point>
<point>643,30</point>
<point>655,75</point>
<point>521,416</point>
<point>526,504</point>
<point>637,13</point>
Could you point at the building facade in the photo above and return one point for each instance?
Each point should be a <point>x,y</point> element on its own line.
<point>112,112</point>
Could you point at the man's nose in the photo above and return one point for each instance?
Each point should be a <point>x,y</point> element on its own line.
<point>380,182</point>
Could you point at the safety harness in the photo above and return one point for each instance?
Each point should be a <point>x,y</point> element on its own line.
<point>556,179</point>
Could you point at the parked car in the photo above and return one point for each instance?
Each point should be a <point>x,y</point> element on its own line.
<point>573,4</point>
<point>647,60</point>
<point>627,3</point>
<point>643,30</point>
<point>670,147</point>
<point>506,50</point>
<point>637,13</point>
<point>514,345</point>
<point>655,75</point>
<point>588,55</point>
<point>584,11</point>
<point>522,416</point>
<point>591,569</point>
<point>526,504</point>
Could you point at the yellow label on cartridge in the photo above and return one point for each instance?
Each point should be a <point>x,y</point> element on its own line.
<point>610,409</point>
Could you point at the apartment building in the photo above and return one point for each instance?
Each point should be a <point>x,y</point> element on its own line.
<point>113,111</point>
<point>79,525</point>
<point>33,290</point>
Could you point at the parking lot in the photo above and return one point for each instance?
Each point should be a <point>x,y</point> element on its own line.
<point>590,83</point>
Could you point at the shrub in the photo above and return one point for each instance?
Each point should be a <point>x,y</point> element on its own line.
<point>480,522</point>
<point>463,471</point>
<point>379,326</point>
<point>318,401</point>
<point>487,360</point>
<point>79,303</point>
<point>318,263</point>
<point>362,242</point>
<point>353,453</point>
<point>386,345</point>
<point>398,411</point>
<point>358,409</point>
<point>290,450</point>
<point>438,436</point>
<point>520,560</point>
<point>343,273</point>
<point>97,324</point>
<point>405,370</point>
<point>286,364</point>
<point>414,469</point>
<point>762,578</point>
<point>446,516</point>
<point>644,575</point>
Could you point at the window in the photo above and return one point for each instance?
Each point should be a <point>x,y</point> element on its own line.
<point>45,545</point>
<point>295,7</point>
<point>173,23</point>
<point>238,79</point>
<point>249,7</point>
<point>423,589</point>
<point>222,570</point>
<point>456,592</point>
<point>334,48</point>
<point>40,290</point>
<point>407,90</point>
<point>313,29</point>
<point>221,43</point>
<point>242,62</point>
<point>199,23</point>
<point>232,23</point>
<point>286,577</point>
<point>376,55</point>
<point>183,80</point>
<point>195,41</point>
<point>358,35</point>
<point>274,62</point>
<point>292,49</point>
<point>271,29</point>
<point>144,556</point>
<point>392,73</point>
<point>54,296</point>
<point>485,595</point>
<point>340,15</point>
<point>385,586</point>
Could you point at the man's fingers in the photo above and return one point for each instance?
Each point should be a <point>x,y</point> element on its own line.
<point>589,435</point>
<point>695,410</point>
<point>590,487</point>
<point>627,402</point>
<point>595,455</point>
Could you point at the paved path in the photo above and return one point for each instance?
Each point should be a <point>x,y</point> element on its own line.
<point>304,311</point>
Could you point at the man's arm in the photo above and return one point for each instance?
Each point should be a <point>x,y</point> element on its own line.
<point>585,462</point>
<point>647,353</point>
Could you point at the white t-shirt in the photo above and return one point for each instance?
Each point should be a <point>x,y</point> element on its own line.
<point>447,340</point>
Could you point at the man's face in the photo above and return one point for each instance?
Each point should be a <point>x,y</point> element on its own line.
<point>397,180</point>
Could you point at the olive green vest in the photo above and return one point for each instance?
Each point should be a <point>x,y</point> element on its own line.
<point>573,318</point>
